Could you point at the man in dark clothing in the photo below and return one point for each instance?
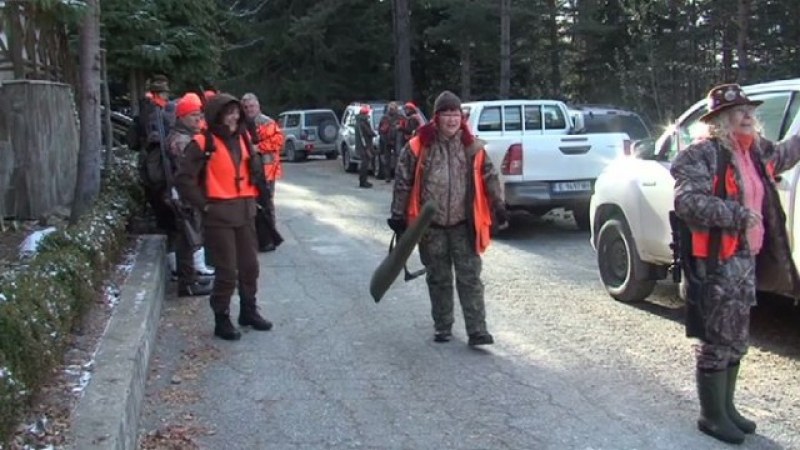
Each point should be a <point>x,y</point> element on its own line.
<point>413,121</point>
<point>364,136</point>
<point>390,130</point>
<point>214,175</point>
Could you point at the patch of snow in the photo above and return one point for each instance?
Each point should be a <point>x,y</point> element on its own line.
<point>3,298</point>
<point>31,242</point>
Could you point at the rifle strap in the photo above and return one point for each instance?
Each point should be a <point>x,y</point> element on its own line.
<point>715,233</point>
<point>408,275</point>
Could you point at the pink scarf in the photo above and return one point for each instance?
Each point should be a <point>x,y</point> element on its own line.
<point>752,189</point>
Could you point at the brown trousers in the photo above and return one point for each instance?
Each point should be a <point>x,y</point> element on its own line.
<point>233,250</point>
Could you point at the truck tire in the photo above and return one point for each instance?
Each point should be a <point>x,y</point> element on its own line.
<point>621,270</point>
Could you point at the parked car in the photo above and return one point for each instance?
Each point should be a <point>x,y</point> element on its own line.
<point>347,134</point>
<point>609,119</point>
<point>633,196</point>
<point>309,132</point>
<point>544,161</point>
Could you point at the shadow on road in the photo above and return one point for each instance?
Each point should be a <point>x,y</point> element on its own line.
<point>774,323</point>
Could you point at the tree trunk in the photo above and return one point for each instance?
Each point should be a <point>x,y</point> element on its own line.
<point>403,83</point>
<point>88,184</point>
<point>741,40</point>
<point>555,58</point>
<point>505,48</point>
<point>109,155</point>
<point>466,68</point>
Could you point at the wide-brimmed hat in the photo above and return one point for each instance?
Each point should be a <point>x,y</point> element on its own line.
<point>726,96</point>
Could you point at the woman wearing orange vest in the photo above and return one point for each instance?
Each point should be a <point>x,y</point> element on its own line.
<point>214,176</point>
<point>742,208</point>
<point>444,162</point>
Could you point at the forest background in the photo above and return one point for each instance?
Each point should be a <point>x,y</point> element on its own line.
<point>655,57</point>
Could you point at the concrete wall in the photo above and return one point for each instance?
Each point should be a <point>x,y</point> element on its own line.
<point>39,145</point>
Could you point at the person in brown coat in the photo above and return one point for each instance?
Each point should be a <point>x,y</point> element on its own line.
<point>214,176</point>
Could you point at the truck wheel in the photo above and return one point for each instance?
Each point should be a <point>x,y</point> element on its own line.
<point>621,270</point>
<point>291,153</point>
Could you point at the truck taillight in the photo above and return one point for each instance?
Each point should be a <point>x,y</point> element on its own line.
<point>512,162</point>
<point>627,147</point>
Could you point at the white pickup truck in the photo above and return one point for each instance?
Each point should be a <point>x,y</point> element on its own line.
<point>544,161</point>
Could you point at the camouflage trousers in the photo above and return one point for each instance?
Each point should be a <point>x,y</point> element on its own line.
<point>441,251</point>
<point>726,312</point>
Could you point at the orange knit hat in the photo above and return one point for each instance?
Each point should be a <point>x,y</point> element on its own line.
<point>188,104</point>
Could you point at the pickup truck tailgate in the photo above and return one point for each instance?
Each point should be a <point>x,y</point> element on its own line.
<point>571,157</point>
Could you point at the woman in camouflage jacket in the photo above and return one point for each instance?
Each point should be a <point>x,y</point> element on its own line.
<point>754,250</point>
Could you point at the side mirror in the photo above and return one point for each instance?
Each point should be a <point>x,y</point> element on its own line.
<point>578,124</point>
<point>645,148</point>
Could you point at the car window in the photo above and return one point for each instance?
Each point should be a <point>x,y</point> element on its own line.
<point>292,121</point>
<point>513,118</point>
<point>490,119</point>
<point>791,116</point>
<point>533,117</point>
<point>772,112</point>
<point>349,118</point>
<point>689,131</point>
<point>554,118</point>
<point>615,123</point>
<point>313,119</point>
<point>377,115</point>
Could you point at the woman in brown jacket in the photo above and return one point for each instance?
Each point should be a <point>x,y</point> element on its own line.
<point>214,176</point>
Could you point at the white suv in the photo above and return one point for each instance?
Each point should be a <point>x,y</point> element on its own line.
<point>629,210</point>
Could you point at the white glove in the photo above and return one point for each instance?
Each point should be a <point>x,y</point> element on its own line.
<point>174,194</point>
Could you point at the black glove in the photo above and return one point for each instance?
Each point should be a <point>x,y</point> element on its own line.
<point>397,224</point>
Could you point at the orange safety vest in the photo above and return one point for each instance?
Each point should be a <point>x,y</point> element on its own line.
<point>730,241</point>
<point>223,180</point>
<point>480,208</point>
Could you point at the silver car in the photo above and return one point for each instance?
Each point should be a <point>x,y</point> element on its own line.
<point>309,132</point>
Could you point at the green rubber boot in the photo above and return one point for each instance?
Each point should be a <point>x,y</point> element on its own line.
<point>714,420</point>
<point>744,424</point>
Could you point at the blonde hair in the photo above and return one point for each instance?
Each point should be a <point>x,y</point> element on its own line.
<point>720,127</point>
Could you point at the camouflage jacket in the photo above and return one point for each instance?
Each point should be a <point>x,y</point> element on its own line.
<point>447,176</point>
<point>694,170</point>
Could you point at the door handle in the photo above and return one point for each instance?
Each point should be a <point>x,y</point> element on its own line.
<point>648,183</point>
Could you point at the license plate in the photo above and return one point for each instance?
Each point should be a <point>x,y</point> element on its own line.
<point>572,186</point>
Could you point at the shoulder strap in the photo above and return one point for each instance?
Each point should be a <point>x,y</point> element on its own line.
<point>715,234</point>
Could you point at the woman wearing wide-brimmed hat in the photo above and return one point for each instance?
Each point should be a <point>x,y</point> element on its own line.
<point>737,206</point>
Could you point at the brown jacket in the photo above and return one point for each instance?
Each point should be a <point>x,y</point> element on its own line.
<point>189,179</point>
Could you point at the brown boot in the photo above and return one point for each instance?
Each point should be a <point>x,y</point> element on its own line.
<point>249,316</point>
<point>224,328</point>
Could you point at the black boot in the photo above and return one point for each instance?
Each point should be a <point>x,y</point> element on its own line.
<point>224,328</point>
<point>365,184</point>
<point>714,420</point>
<point>196,288</point>
<point>249,316</point>
<point>442,336</point>
<point>744,424</point>
<point>482,338</point>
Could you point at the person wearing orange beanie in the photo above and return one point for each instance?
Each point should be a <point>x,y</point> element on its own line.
<point>188,115</point>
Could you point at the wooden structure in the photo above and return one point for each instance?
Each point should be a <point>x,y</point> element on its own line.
<point>34,43</point>
<point>39,145</point>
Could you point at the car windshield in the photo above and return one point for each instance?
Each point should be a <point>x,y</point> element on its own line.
<point>377,115</point>
<point>616,123</point>
<point>313,119</point>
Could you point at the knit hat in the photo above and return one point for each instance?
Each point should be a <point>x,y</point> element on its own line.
<point>159,83</point>
<point>364,109</point>
<point>447,101</point>
<point>188,104</point>
<point>208,93</point>
<point>410,105</point>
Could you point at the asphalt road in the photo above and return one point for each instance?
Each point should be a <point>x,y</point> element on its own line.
<point>571,368</point>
